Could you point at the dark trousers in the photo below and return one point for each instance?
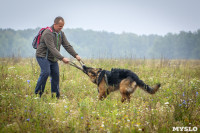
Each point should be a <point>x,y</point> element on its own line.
<point>48,68</point>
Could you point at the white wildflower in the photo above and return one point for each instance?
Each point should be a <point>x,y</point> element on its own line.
<point>166,103</point>
<point>102,125</point>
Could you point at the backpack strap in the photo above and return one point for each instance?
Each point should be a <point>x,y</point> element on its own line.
<point>49,28</point>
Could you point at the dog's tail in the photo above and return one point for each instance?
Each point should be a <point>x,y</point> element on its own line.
<point>151,90</point>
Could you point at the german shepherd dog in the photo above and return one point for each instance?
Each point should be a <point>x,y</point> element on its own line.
<point>123,80</point>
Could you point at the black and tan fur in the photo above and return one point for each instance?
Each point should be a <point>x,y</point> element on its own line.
<point>117,79</point>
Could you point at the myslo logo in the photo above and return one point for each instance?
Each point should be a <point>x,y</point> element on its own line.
<point>185,129</point>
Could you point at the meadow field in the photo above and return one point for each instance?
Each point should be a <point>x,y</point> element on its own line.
<point>176,104</point>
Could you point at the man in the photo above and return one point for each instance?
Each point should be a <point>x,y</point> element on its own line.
<point>48,53</point>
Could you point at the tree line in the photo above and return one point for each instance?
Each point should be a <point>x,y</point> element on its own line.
<point>95,44</point>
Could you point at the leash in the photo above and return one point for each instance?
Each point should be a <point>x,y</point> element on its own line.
<point>74,65</point>
<point>81,62</point>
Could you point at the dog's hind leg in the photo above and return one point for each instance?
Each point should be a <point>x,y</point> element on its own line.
<point>125,97</point>
<point>128,97</point>
<point>127,86</point>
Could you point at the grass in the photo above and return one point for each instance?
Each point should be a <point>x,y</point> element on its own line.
<point>176,104</point>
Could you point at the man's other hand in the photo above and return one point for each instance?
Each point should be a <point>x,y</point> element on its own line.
<point>65,60</point>
<point>78,57</point>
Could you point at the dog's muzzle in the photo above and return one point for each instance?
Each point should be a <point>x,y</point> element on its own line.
<point>84,69</point>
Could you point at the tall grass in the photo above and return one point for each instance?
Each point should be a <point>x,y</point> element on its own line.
<point>177,103</point>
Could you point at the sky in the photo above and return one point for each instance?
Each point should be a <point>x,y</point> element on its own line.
<point>142,17</point>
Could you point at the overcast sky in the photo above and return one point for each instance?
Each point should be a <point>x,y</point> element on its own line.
<point>135,16</point>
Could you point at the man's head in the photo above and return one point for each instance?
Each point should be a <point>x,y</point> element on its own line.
<point>58,23</point>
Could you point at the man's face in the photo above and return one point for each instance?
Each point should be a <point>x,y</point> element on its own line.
<point>58,27</point>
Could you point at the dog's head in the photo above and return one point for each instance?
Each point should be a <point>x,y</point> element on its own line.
<point>93,73</point>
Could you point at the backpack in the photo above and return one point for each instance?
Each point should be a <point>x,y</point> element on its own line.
<point>36,40</point>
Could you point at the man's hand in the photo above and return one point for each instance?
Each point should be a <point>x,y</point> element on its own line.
<point>78,57</point>
<point>65,60</point>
